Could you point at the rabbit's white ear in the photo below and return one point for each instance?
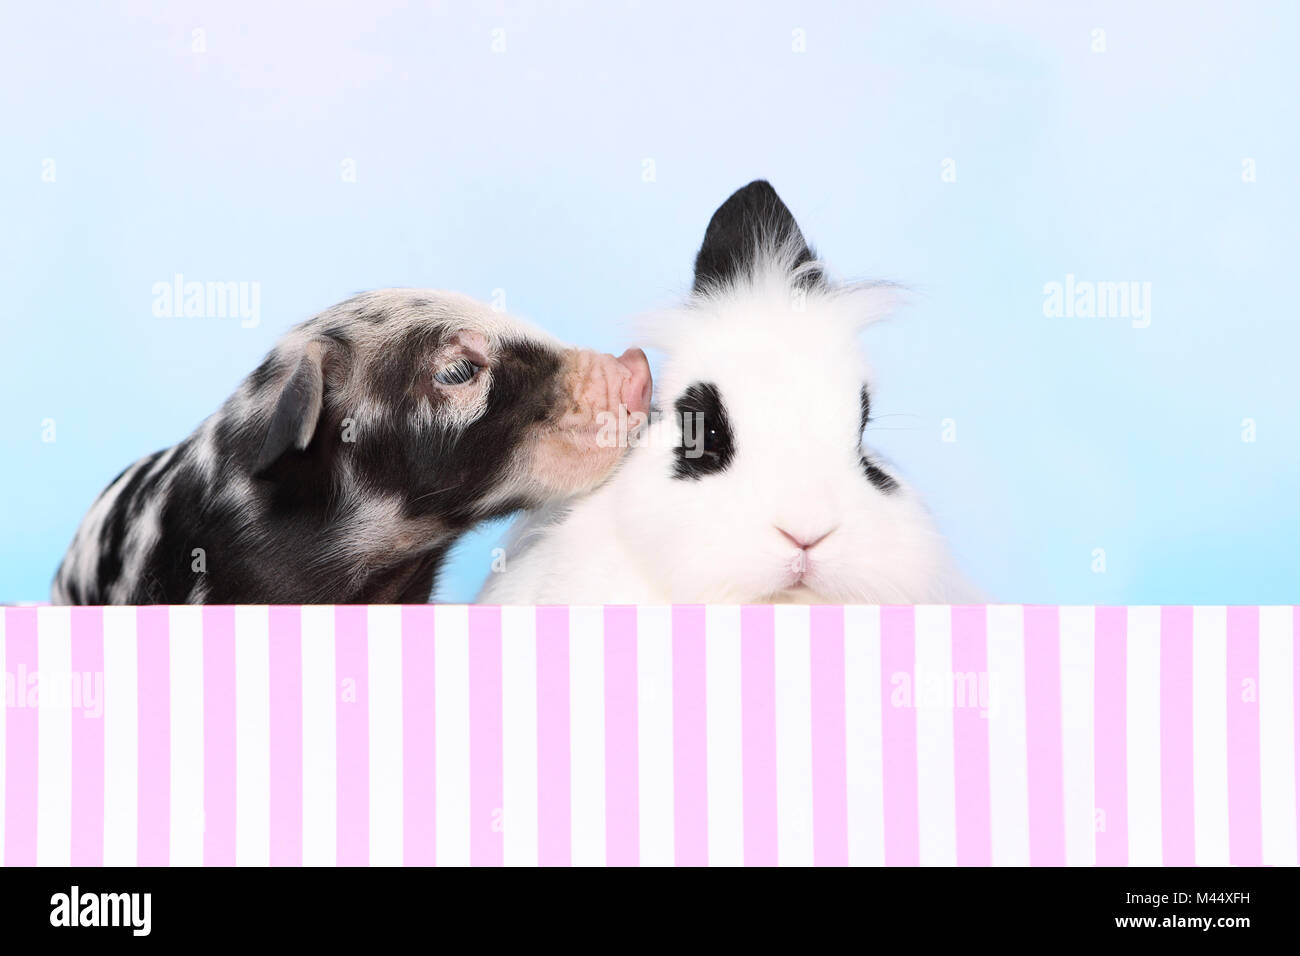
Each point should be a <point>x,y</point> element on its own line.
<point>751,230</point>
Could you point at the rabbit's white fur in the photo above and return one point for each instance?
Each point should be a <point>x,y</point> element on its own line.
<point>782,352</point>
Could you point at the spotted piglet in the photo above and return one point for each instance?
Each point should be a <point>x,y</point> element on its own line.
<point>344,468</point>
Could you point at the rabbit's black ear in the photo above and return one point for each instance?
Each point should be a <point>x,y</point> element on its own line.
<point>752,223</point>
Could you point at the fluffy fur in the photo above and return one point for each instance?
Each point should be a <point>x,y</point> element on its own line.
<point>765,351</point>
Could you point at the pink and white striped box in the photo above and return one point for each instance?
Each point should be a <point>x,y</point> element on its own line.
<point>651,735</point>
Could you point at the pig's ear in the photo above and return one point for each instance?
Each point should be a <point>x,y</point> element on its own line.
<point>753,224</point>
<point>297,409</point>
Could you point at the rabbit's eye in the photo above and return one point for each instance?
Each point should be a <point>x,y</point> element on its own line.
<point>707,445</point>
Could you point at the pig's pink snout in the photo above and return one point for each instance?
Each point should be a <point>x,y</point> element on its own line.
<point>635,395</point>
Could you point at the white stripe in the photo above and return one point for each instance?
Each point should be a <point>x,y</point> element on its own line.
<point>319,742</point>
<point>1210,734</point>
<point>121,737</point>
<point>451,732</point>
<point>252,736</point>
<point>519,734</point>
<point>1277,735</point>
<point>1078,763</point>
<point>5,680</point>
<point>186,660</point>
<point>862,707</point>
<point>1142,726</point>
<point>54,737</point>
<point>587,733</point>
<point>654,670</point>
<point>723,726</point>
<point>794,793</point>
<point>933,697</point>
<point>384,670</point>
<point>1008,749</point>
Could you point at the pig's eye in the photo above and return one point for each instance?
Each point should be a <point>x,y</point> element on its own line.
<point>457,373</point>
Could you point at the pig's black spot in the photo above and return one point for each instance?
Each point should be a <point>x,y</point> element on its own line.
<point>266,373</point>
<point>707,444</point>
<point>127,507</point>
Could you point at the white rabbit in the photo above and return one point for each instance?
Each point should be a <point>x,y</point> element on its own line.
<point>774,498</point>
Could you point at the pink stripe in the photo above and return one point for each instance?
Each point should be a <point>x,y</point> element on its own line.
<point>829,741</point>
<point>690,740</point>
<point>1295,684</point>
<point>622,805</point>
<point>554,840</point>
<point>758,730</point>
<point>22,670</point>
<point>1178,831</point>
<point>898,731</point>
<point>1110,733</point>
<point>419,776</point>
<point>486,783</point>
<point>153,689</point>
<point>970,728</point>
<point>1043,736</point>
<point>352,671</point>
<point>285,653</point>
<point>218,736</point>
<point>88,740</point>
<point>1245,828</point>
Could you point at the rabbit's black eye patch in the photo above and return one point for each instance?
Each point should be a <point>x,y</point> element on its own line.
<point>883,481</point>
<point>707,445</point>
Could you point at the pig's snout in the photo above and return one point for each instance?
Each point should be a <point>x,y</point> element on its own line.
<point>607,400</point>
<point>602,385</point>
<point>636,389</point>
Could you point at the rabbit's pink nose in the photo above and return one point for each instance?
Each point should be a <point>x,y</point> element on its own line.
<point>805,542</point>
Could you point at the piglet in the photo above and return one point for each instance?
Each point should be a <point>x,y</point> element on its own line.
<point>344,468</point>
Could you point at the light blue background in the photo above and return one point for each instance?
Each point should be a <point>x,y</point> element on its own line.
<point>522,171</point>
